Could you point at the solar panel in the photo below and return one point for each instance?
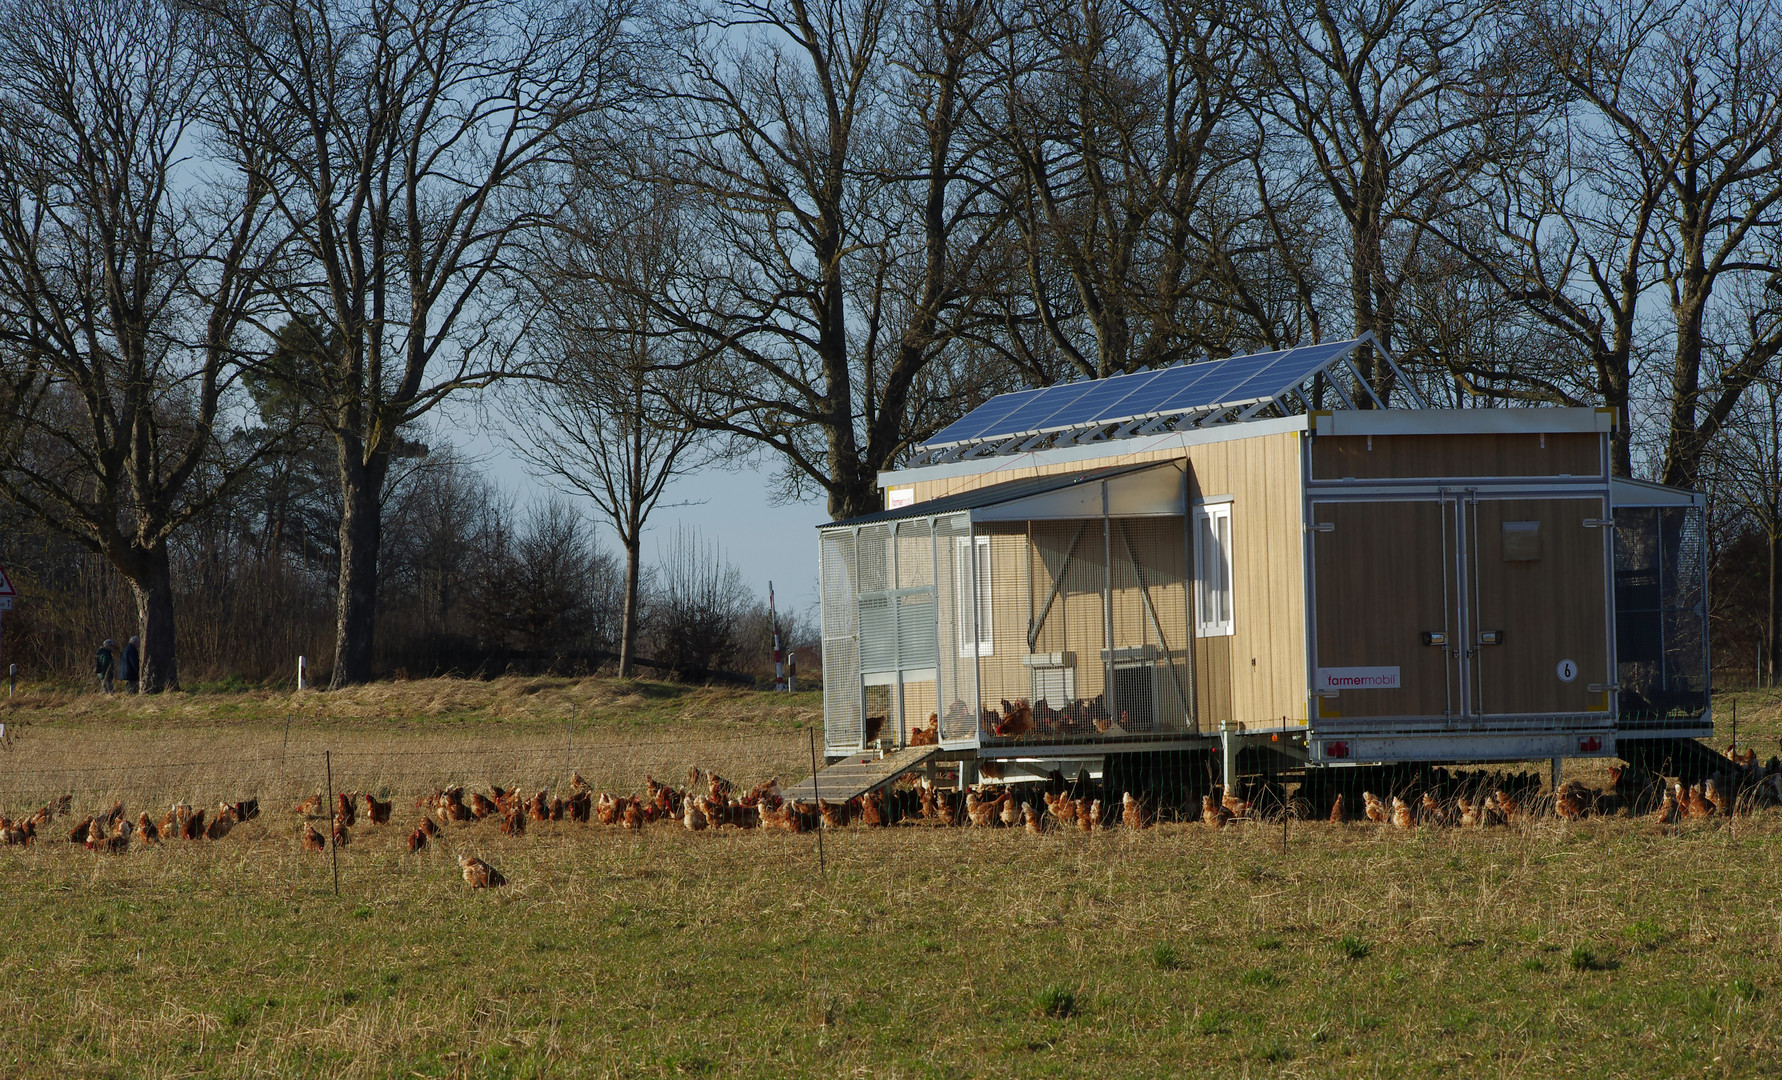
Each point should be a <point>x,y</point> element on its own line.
<point>1102,395</point>
<point>1218,385</point>
<point>975,424</point>
<point>1169,382</point>
<point>1033,413</point>
<point>1209,387</point>
<point>1292,368</point>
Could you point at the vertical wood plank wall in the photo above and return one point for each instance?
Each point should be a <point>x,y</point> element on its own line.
<point>1263,662</point>
<point>1258,674</point>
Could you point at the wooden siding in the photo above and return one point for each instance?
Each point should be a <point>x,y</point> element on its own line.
<point>1549,609</point>
<point>1381,583</point>
<point>1266,661</point>
<point>1255,676</point>
<point>1363,457</point>
<point>1212,681</point>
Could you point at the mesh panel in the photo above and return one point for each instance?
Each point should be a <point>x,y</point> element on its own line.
<point>1087,621</point>
<point>958,675</point>
<point>1003,649</point>
<point>1061,591</point>
<point>841,643</point>
<point>915,555</point>
<point>1683,538</point>
<point>916,630</point>
<point>1660,632</point>
<point>878,626</point>
<point>918,707</point>
<point>873,557</point>
<point>1150,602</point>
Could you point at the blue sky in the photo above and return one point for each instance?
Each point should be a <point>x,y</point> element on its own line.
<point>728,503</point>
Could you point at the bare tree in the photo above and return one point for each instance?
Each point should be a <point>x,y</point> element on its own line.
<point>1379,96</point>
<point>1744,465</point>
<point>1693,91</point>
<point>698,605</point>
<point>1656,175</point>
<point>596,420</point>
<point>842,235</point>
<point>416,139</point>
<point>1122,125</point>
<point>125,281</point>
<point>1563,227</point>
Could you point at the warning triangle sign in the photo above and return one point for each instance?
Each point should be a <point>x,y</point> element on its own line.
<point>6,588</point>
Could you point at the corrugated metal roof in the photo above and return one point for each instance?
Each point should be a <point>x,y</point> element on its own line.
<point>998,493</point>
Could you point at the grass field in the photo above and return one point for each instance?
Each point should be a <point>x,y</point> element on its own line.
<point>1611,948</point>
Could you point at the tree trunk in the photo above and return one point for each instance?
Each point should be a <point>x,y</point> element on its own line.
<point>1612,382</point>
<point>628,630</point>
<point>151,579</point>
<point>1773,644</point>
<point>361,533</point>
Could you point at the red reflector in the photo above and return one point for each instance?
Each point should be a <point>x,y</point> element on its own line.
<point>1336,749</point>
<point>1590,744</point>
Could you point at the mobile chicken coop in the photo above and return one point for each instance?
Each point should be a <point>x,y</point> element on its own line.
<point>1256,552</point>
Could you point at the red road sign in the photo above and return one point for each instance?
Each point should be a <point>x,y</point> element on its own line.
<point>6,588</point>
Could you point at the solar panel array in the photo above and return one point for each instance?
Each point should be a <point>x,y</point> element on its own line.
<point>1209,387</point>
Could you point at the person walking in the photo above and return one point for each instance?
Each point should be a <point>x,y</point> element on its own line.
<point>105,665</point>
<point>127,666</point>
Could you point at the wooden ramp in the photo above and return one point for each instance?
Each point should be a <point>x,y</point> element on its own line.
<point>858,774</point>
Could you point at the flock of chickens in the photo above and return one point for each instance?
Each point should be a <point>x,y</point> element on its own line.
<point>113,830</point>
<point>1465,802</point>
<point>1436,798</point>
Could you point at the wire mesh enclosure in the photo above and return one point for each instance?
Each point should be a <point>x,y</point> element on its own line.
<point>939,626</point>
<point>1661,640</point>
<point>1089,623</point>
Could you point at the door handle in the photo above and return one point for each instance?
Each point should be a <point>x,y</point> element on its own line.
<point>1491,637</point>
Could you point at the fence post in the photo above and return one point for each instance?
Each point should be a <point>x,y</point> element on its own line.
<point>822,867</point>
<point>333,848</point>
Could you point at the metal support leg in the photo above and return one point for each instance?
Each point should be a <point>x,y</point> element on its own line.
<point>1556,774</point>
<point>1228,757</point>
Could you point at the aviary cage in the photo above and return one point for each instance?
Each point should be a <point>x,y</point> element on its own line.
<point>1068,593</point>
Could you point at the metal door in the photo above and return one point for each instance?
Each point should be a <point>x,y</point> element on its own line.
<point>1538,633</point>
<point>1386,639</point>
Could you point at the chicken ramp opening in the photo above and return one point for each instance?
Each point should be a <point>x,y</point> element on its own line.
<point>859,773</point>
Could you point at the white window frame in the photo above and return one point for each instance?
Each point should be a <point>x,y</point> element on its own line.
<point>1214,595</point>
<point>963,580</point>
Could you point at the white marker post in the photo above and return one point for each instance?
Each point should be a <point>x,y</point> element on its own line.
<point>7,592</point>
<point>302,672</point>
<point>779,657</point>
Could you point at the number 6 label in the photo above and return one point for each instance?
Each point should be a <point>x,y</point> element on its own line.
<point>1567,671</point>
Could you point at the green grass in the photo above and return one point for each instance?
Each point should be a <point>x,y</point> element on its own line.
<point>923,953</point>
<point>1352,947</point>
<point>1603,948</point>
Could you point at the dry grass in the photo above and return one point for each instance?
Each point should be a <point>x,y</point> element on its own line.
<point>1606,948</point>
<point>626,704</point>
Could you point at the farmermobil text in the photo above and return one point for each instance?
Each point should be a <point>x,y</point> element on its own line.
<point>1358,678</point>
